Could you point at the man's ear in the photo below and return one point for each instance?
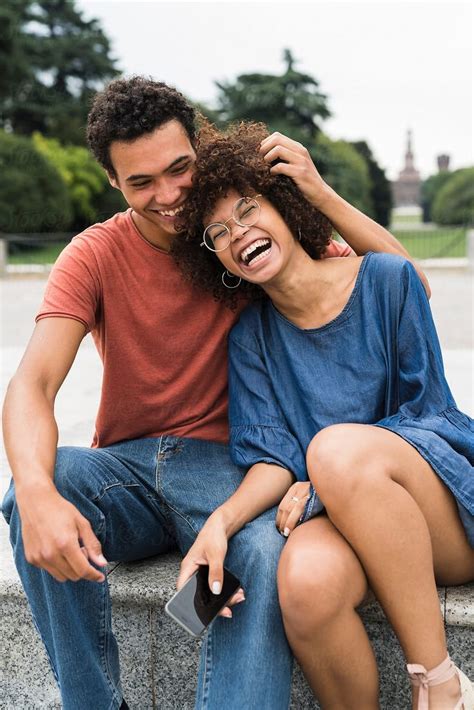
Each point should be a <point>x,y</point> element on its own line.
<point>113,180</point>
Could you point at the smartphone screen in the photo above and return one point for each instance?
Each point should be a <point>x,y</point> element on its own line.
<point>195,606</point>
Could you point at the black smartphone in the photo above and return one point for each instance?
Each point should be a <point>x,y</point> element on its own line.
<point>195,606</point>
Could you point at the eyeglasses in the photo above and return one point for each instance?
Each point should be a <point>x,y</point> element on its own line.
<point>245,213</point>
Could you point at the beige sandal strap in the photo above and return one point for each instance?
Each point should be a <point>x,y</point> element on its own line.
<point>423,679</point>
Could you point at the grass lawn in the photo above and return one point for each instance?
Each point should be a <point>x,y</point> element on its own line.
<point>413,219</point>
<point>36,255</point>
<point>421,244</point>
<point>433,243</point>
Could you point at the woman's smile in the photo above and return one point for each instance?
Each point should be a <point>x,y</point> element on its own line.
<point>253,254</point>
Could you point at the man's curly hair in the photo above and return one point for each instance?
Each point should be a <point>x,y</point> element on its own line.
<point>129,108</point>
<point>231,161</point>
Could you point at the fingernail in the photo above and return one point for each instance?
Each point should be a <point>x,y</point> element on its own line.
<point>227,613</point>
<point>216,587</point>
<point>102,560</point>
<point>286,532</point>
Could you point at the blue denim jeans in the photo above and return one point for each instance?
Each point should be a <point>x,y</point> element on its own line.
<point>143,498</point>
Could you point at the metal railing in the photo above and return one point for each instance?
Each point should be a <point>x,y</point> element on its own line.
<point>442,246</point>
<point>434,242</point>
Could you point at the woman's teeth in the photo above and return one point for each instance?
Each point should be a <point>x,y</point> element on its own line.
<point>256,251</point>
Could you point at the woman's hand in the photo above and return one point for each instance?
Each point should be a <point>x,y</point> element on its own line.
<point>295,161</point>
<point>210,548</point>
<point>292,507</point>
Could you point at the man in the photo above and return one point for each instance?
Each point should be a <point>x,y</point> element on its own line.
<point>159,464</point>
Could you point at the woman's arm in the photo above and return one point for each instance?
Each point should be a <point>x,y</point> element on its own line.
<point>260,443</point>
<point>359,231</point>
<point>263,487</point>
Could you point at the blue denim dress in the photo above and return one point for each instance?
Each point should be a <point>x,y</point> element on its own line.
<point>378,362</point>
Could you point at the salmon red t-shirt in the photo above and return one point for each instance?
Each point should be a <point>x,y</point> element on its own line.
<point>162,341</point>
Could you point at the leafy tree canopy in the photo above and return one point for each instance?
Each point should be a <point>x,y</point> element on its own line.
<point>380,189</point>
<point>429,189</point>
<point>290,102</point>
<point>33,195</point>
<point>54,62</point>
<point>346,171</point>
<point>454,202</point>
<point>91,195</point>
<point>293,104</point>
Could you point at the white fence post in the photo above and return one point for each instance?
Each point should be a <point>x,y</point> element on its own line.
<point>3,257</point>
<point>470,248</point>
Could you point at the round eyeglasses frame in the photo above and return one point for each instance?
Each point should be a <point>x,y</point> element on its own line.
<point>232,218</point>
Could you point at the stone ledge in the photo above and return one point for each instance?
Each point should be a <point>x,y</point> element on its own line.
<point>159,660</point>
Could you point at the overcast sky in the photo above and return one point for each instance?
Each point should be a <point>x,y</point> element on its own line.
<point>385,66</point>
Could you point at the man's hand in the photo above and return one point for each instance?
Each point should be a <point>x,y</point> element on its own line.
<point>292,507</point>
<point>210,548</point>
<point>295,161</point>
<point>58,539</point>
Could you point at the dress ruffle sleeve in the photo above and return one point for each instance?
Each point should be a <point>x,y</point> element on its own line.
<point>258,431</point>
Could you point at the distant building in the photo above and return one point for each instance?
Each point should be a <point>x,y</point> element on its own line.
<point>443,162</point>
<point>406,190</point>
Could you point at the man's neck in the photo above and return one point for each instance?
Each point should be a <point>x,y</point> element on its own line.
<point>152,233</point>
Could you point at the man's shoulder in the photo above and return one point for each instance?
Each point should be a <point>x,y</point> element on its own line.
<point>95,244</point>
<point>106,232</point>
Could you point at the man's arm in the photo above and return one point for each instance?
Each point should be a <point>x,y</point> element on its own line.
<point>51,526</point>
<point>359,231</point>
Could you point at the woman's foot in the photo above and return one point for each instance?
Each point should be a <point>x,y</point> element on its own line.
<point>442,688</point>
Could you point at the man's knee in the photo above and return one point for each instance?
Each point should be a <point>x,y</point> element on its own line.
<point>75,472</point>
<point>71,463</point>
<point>256,550</point>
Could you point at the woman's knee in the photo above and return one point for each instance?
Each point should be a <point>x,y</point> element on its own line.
<point>315,585</point>
<point>342,462</point>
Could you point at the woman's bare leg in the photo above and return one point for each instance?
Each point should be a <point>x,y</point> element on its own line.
<point>402,523</point>
<point>320,584</point>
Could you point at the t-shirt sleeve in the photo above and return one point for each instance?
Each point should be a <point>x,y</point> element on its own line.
<point>73,288</point>
<point>422,385</point>
<point>335,248</point>
<point>258,431</point>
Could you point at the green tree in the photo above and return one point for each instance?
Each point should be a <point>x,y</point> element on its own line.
<point>290,102</point>
<point>91,195</point>
<point>33,195</point>
<point>346,171</point>
<point>429,189</point>
<point>13,60</point>
<point>60,60</point>
<point>454,202</point>
<point>380,190</point>
<point>293,104</point>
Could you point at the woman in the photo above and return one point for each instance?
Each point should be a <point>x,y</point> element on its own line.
<point>336,376</point>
